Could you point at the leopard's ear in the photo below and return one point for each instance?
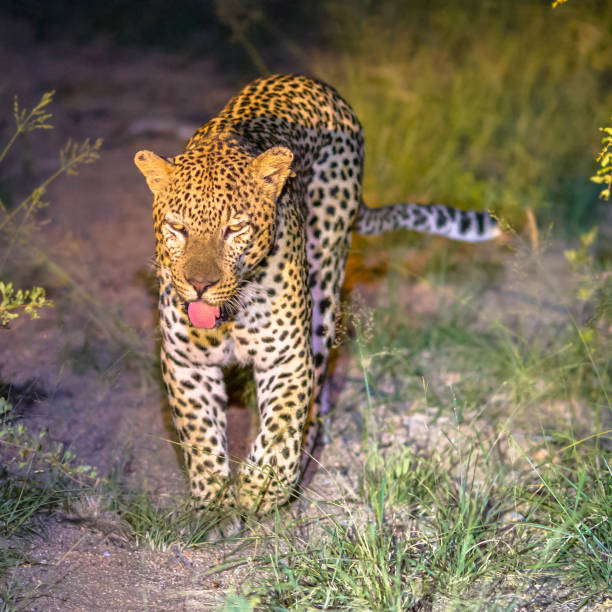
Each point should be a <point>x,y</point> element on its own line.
<point>271,169</point>
<point>155,169</point>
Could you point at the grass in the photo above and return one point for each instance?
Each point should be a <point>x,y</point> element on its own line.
<point>157,527</point>
<point>508,502</point>
<point>452,114</point>
<point>518,516</point>
<point>578,504</point>
<point>37,479</point>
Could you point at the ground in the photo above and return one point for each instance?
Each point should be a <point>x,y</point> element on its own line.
<point>99,403</point>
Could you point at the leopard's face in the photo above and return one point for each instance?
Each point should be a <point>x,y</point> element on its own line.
<point>212,227</point>
<point>209,260</point>
<point>214,215</point>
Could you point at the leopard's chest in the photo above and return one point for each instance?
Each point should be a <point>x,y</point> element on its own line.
<point>189,345</point>
<point>248,337</point>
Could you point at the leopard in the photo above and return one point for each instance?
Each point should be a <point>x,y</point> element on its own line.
<point>253,223</point>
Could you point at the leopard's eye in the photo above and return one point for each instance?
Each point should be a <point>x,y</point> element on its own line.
<point>235,228</point>
<point>178,227</point>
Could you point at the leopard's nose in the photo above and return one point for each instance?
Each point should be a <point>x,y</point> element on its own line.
<point>201,286</point>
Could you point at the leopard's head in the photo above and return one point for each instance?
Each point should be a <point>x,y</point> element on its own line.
<point>214,214</point>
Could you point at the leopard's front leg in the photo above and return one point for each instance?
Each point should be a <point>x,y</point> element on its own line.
<point>272,469</point>
<point>198,401</point>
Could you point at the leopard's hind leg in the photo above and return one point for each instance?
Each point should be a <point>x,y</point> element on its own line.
<point>333,199</point>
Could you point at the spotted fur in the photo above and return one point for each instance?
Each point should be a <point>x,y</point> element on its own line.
<point>255,217</point>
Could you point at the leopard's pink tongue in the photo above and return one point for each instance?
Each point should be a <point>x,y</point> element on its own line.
<point>203,315</point>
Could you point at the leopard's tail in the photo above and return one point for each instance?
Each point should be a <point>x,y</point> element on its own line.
<point>464,225</point>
